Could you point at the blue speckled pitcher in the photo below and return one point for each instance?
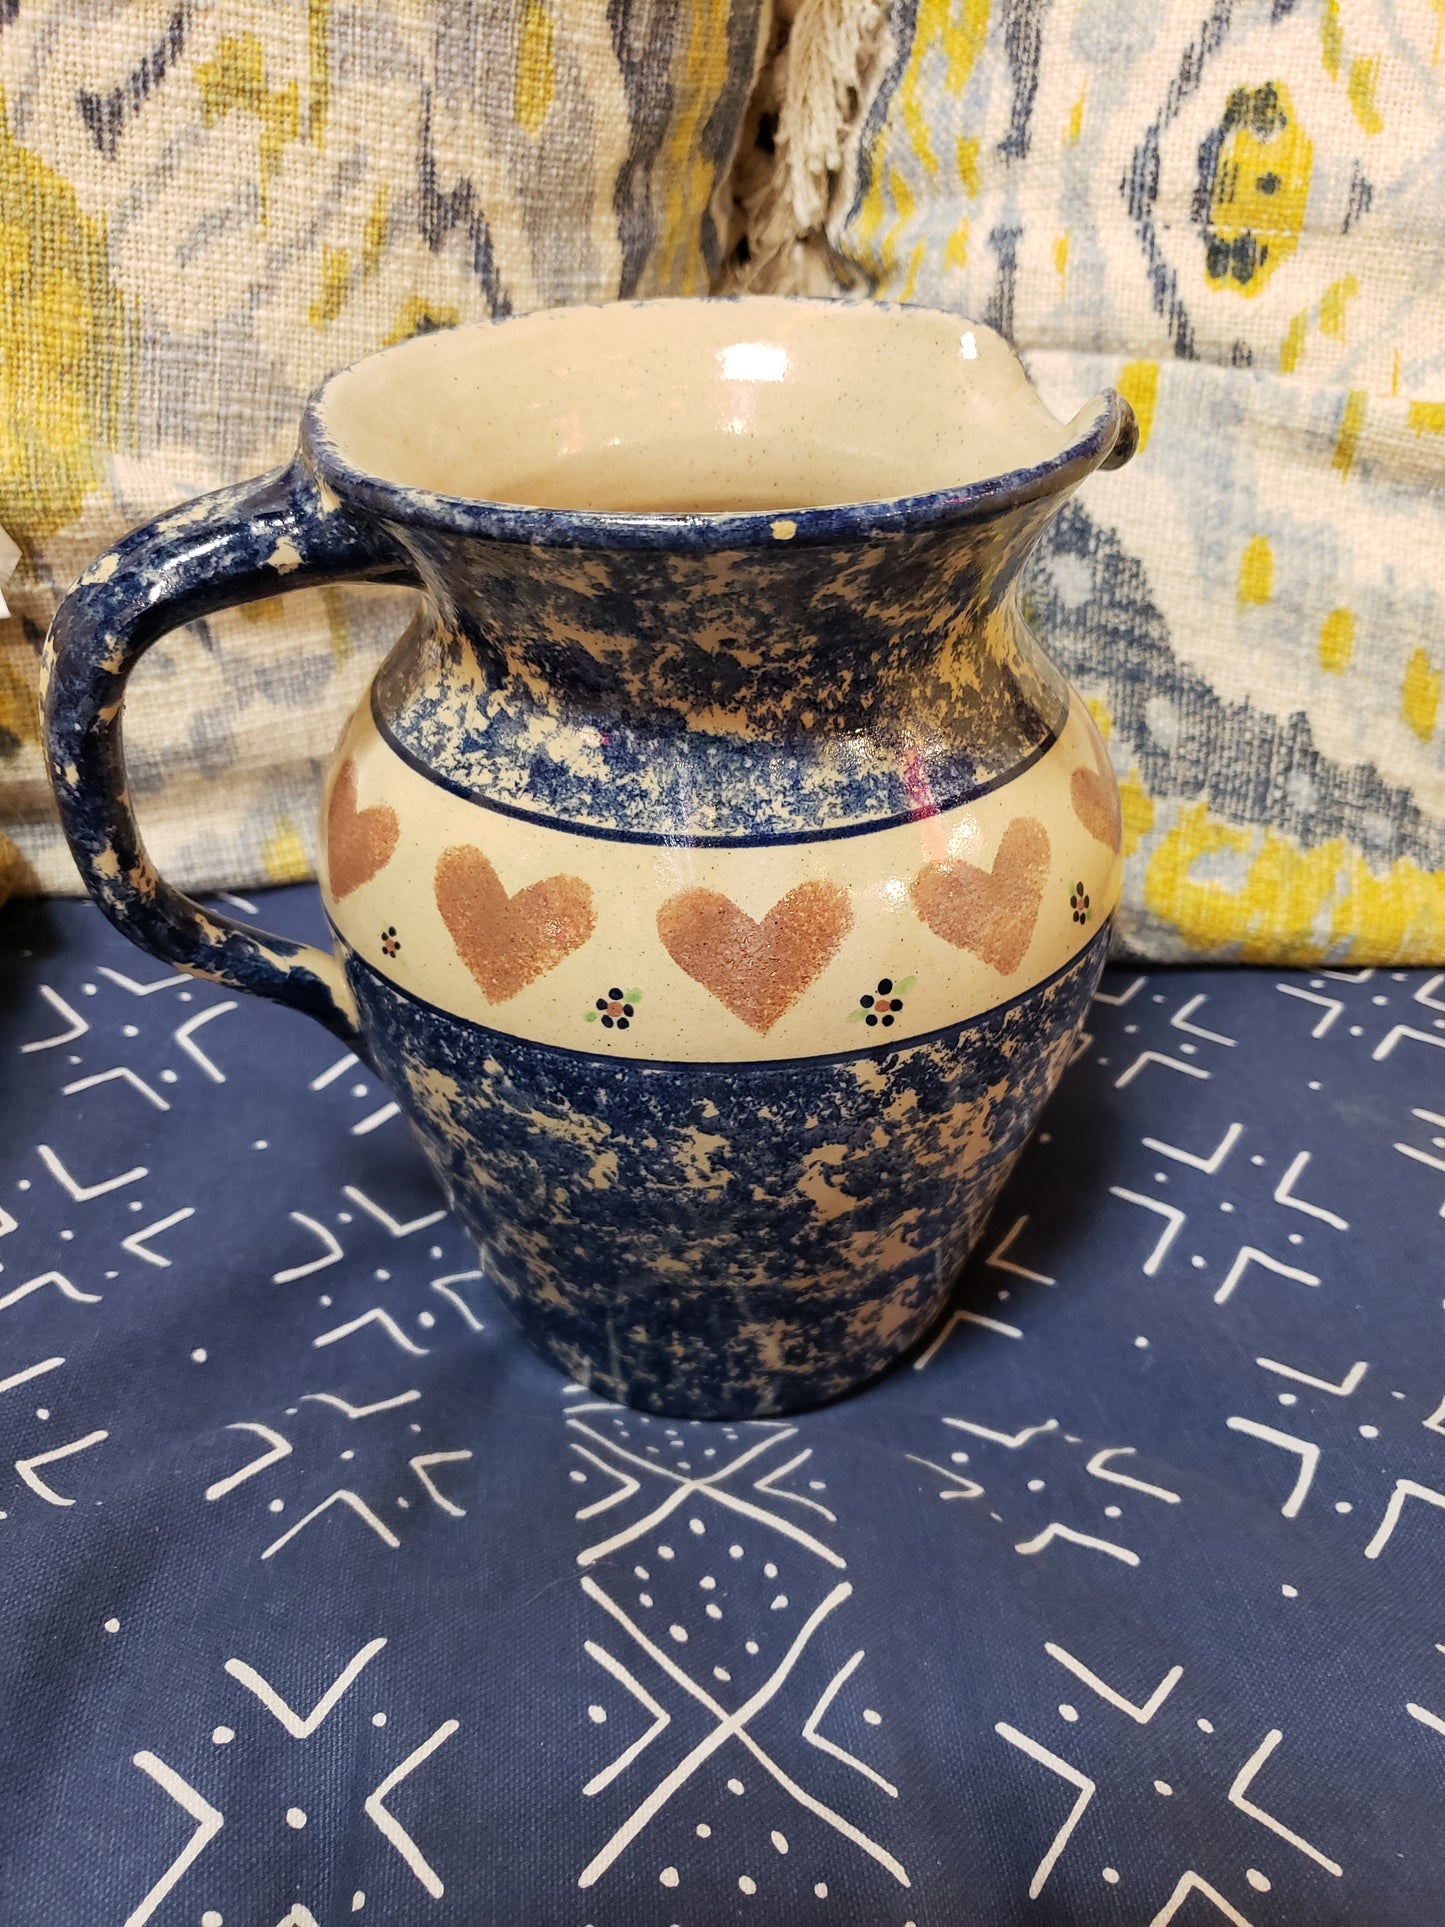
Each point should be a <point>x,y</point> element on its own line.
<point>718,868</point>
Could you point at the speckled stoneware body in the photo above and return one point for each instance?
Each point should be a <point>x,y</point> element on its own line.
<point>719,869</point>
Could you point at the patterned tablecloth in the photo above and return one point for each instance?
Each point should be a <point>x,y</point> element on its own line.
<point>1123,1601</point>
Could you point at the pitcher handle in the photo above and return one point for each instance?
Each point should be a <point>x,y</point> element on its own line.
<point>240,544</point>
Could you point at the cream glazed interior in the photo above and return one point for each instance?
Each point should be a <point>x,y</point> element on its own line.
<point>719,407</point>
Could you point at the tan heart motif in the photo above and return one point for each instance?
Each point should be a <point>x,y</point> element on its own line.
<point>507,942</point>
<point>758,970</point>
<point>359,843</point>
<point>990,912</point>
<point>1095,797</point>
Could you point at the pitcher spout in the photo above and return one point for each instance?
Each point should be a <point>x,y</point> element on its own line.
<point>1126,439</point>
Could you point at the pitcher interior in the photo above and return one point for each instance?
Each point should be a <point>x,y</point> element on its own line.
<point>688,406</point>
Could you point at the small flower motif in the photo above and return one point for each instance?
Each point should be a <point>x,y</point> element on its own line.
<point>616,1010</point>
<point>879,1008</point>
<point>1079,904</point>
<point>390,941</point>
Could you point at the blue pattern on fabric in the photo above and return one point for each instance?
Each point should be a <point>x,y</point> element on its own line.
<point>325,1599</point>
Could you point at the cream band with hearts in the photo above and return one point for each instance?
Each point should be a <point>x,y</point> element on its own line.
<point>733,954</point>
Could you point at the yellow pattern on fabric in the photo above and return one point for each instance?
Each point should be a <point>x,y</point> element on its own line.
<point>284,854</point>
<point>1256,571</point>
<point>1363,76</point>
<point>1337,641</point>
<point>335,286</point>
<point>1137,808</point>
<point>1332,38</point>
<point>1332,316</point>
<point>536,67</point>
<point>319,38</point>
<point>1211,915</point>
<point>1332,306</point>
<point>910,280</point>
<point>902,197</point>
<point>1396,918</point>
<point>204,208</point>
<point>1260,189</point>
<point>374,239</point>
<point>337,627</point>
<point>1294,904</point>
<point>1352,420</point>
<point>1291,349</point>
<point>683,164</point>
<point>67,347</point>
<point>235,78</point>
<point>417,316</point>
<point>1277,541</point>
<point>916,128</point>
<point>1138,383</point>
<point>962,38</point>
<point>957,28</point>
<point>1420,695</point>
<point>19,705</point>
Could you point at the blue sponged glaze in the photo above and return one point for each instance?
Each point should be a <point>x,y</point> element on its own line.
<point>237,545</point>
<point>685,693</point>
<point>727,1239</point>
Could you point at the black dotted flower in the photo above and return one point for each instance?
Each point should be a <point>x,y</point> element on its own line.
<point>1079,904</point>
<point>616,1010</point>
<point>878,1008</point>
<point>390,941</point>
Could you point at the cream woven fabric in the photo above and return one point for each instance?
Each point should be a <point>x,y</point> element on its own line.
<point>206,207</point>
<point>1235,212</point>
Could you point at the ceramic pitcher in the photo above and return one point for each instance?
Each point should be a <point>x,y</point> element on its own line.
<point>718,868</point>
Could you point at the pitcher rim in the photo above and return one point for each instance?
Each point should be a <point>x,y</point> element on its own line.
<point>1109,440</point>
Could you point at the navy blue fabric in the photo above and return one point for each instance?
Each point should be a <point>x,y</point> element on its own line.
<point>1123,1600</point>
